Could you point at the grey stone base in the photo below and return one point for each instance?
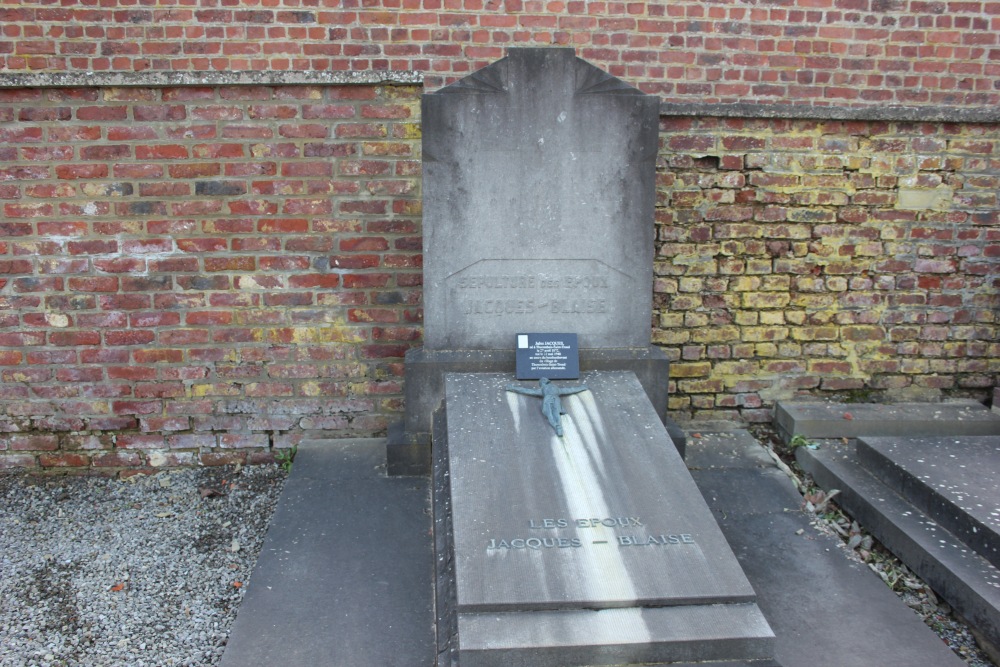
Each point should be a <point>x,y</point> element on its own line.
<point>407,454</point>
<point>852,420</point>
<point>966,580</point>
<point>408,449</point>
<point>658,635</point>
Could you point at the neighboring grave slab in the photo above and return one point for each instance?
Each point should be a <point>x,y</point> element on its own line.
<point>538,196</point>
<point>959,575</point>
<point>546,530</point>
<point>852,420</point>
<point>955,480</point>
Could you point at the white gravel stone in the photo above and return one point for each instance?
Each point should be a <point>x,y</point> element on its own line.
<point>109,572</point>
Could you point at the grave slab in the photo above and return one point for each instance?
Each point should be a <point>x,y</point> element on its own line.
<point>966,580</point>
<point>824,608</point>
<point>852,420</point>
<point>954,480</point>
<point>547,529</point>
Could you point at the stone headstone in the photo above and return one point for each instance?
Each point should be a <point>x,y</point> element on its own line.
<point>538,195</point>
<point>538,200</point>
<point>544,531</point>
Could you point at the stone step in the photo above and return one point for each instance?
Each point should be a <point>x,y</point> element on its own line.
<point>954,480</point>
<point>853,420</point>
<point>966,580</point>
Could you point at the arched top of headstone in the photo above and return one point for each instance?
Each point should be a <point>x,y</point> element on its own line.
<point>538,191</point>
<point>523,66</point>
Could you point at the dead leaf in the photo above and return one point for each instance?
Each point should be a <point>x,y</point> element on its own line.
<point>237,584</point>
<point>117,587</point>
<point>696,435</point>
<point>209,492</point>
<point>848,416</point>
<point>814,496</point>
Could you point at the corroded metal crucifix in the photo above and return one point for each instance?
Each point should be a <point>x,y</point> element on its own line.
<point>551,403</point>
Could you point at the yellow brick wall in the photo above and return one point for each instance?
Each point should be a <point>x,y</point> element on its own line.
<point>840,258</point>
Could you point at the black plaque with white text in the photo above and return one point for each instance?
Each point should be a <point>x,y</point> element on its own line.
<point>555,356</point>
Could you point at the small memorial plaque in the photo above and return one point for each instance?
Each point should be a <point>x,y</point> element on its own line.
<point>548,355</point>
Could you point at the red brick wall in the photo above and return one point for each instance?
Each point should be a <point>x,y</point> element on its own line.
<point>859,259</point>
<point>201,273</point>
<point>822,52</point>
<point>198,274</point>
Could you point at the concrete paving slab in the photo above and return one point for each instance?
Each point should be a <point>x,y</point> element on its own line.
<point>345,573</point>
<point>843,420</point>
<point>954,480</point>
<point>738,491</point>
<point>824,608</point>
<point>967,581</point>
<point>725,449</point>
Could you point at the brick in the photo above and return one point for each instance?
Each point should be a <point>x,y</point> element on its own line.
<point>9,461</point>
<point>64,460</point>
<point>222,458</point>
<point>74,338</point>
<point>30,443</point>
<point>117,460</point>
<point>140,441</point>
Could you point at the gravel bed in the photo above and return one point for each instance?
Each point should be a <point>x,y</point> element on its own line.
<point>139,571</point>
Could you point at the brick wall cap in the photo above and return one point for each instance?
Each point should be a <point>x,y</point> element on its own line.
<point>918,114</point>
<point>152,79</point>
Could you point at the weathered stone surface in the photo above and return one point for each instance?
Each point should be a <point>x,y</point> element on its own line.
<point>546,529</point>
<point>954,480</point>
<point>343,576</point>
<point>791,565</point>
<point>966,580</point>
<point>538,205</point>
<point>842,420</point>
